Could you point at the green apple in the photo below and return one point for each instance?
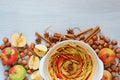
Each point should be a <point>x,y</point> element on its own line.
<point>17,72</point>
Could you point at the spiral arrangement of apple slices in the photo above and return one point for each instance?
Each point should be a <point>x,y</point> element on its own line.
<point>71,62</point>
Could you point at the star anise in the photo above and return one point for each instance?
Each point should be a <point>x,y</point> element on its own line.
<point>70,31</point>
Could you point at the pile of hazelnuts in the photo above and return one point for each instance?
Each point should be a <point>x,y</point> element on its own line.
<point>101,41</point>
<point>24,55</point>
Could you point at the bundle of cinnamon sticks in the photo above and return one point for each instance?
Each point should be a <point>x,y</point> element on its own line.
<point>84,35</point>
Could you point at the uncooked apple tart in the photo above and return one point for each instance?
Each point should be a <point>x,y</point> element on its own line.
<point>70,61</point>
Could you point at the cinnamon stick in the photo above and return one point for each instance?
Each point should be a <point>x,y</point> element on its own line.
<point>39,35</point>
<point>93,33</point>
<point>85,31</point>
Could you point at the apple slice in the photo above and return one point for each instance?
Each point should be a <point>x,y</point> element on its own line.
<point>40,50</point>
<point>34,62</point>
<point>36,76</point>
<point>18,40</point>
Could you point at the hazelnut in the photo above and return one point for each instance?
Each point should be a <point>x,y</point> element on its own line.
<point>29,53</point>
<point>96,42</point>
<point>25,51</point>
<point>102,36</point>
<point>114,42</point>
<point>94,46</point>
<point>106,45</point>
<point>96,50</point>
<point>114,62</point>
<point>117,69</point>
<point>82,37</point>
<point>95,38</point>
<point>20,49</point>
<point>8,44</point>
<point>117,50</point>
<point>26,57</point>
<point>109,69</point>
<point>7,78</point>
<point>102,42</point>
<point>21,54</point>
<point>47,45</point>
<point>113,67</point>
<point>118,55</point>
<point>100,47</point>
<point>25,78</point>
<point>27,46</point>
<point>107,40</point>
<point>38,40</point>
<point>6,72</point>
<point>113,74</point>
<point>24,62</point>
<point>118,64</point>
<point>19,60</point>
<point>32,46</point>
<point>29,71</point>
<point>5,40</point>
<point>111,46</point>
<point>3,46</point>
<point>26,66</point>
<point>90,41</point>
<point>116,78</point>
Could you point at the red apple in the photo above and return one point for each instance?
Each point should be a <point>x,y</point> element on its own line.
<point>106,75</point>
<point>106,55</point>
<point>9,55</point>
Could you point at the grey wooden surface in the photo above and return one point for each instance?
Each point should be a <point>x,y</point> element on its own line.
<point>28,16</point>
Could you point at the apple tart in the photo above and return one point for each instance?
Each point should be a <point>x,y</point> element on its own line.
<point>70,61</point>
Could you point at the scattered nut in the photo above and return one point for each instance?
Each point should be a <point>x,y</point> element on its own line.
<point>38,40</point>
<point>32,46</point>
<point>19,60</point>
<point>25,51</point>
<point>96,43</point>
<point>21,54</point>
<point>97,50</point>
<point>26,57</point>
<point>100,47</point>
<point>29,71</point>
<point>95,38</point>
<point>26,78</point>
<point>82,37</point>
<point>118,55</point>
<point>94,46</point>
<point>29,53</point>
<point>6,72</point>
<point>102,36</point>
<point>116,78</point>
<point>8,44</point>
<point>5,40</point>
<point>117,50</point>
<point>107,40</point>
<point>114,42</point>
<point>90,41</point>
<point>24,62</point>
<point>113,74</point>
<point>113,67</point>
<point>26,66</point>
<point>111,46</point>
<point>102,42</point>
